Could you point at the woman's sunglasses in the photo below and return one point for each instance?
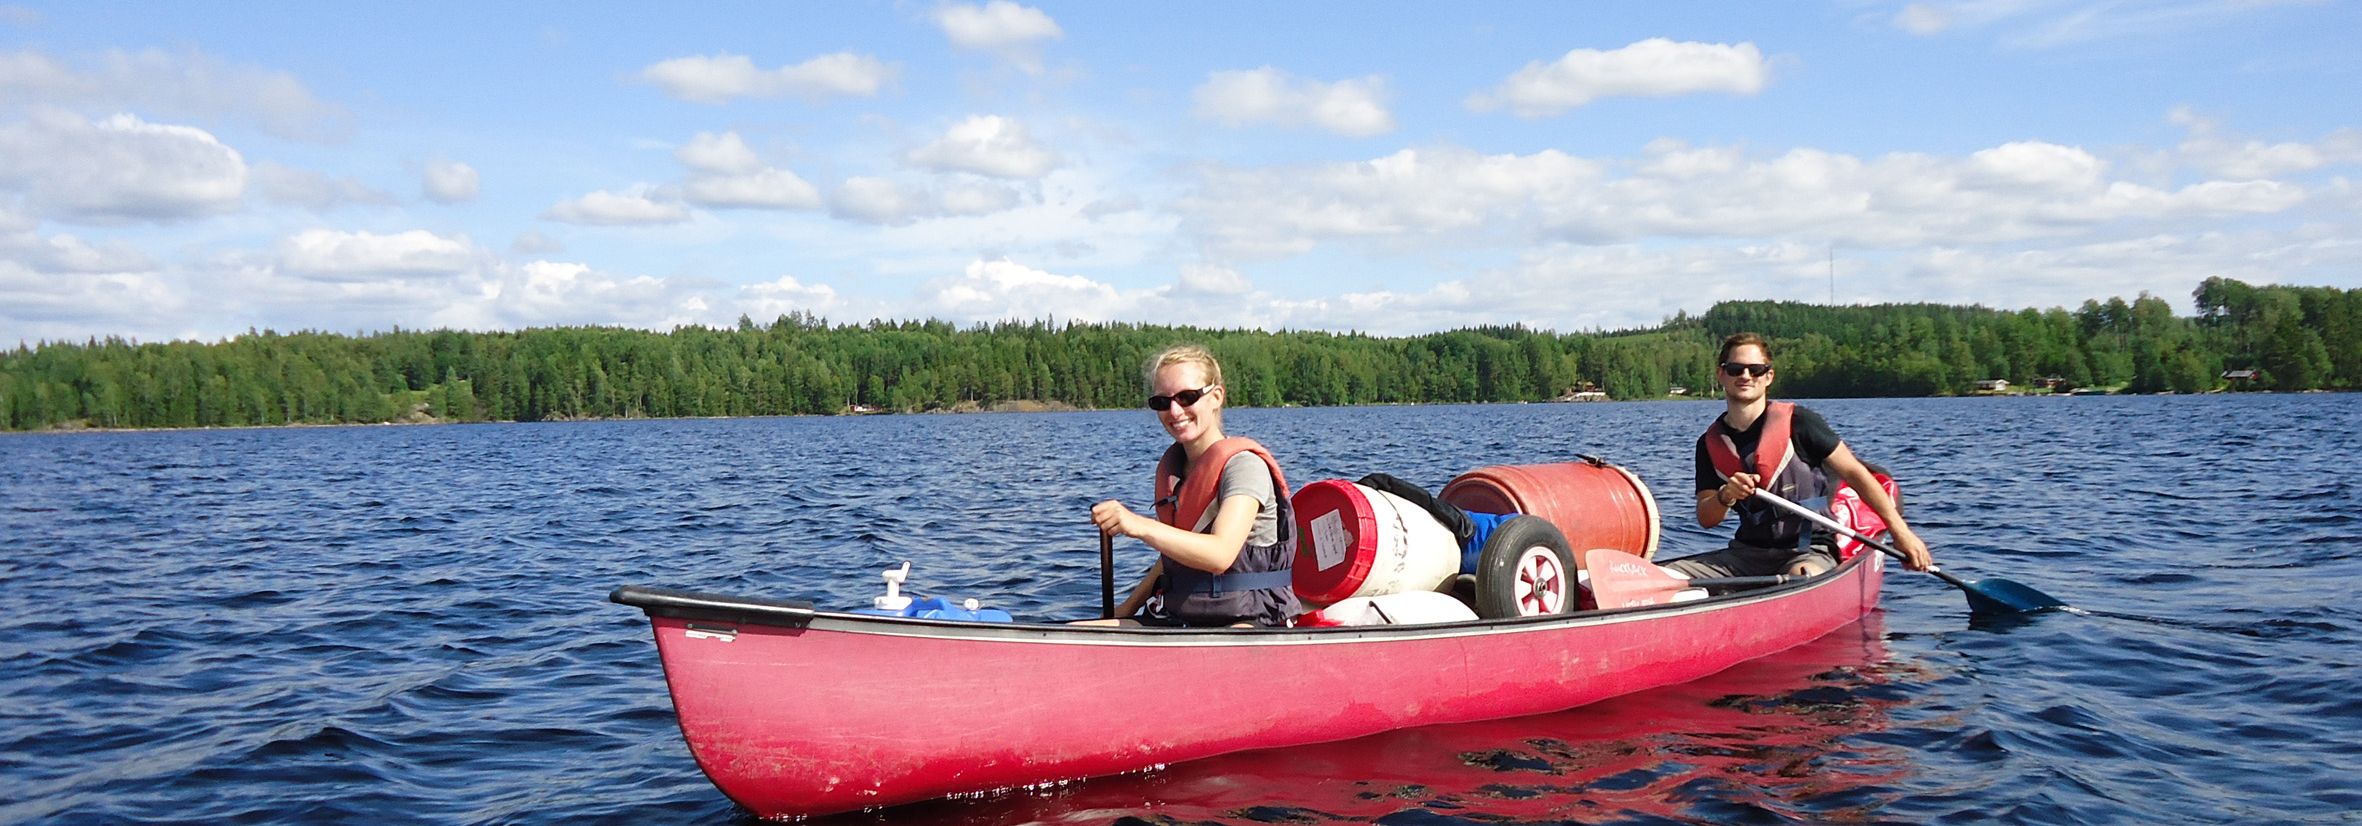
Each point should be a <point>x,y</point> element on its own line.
<point>1733,369</point>
<point>1185,397</point>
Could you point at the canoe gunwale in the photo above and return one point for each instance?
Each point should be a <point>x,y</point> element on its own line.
<point>800,615</point>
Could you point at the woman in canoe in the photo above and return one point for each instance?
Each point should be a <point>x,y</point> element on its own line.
<point>1222,532</point>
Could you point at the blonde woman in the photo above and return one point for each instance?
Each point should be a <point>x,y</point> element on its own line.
<point>1223,533</point>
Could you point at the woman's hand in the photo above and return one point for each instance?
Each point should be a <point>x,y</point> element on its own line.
<point>1114,519</point>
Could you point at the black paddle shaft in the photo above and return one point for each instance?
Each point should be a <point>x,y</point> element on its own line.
<point>1106,575</point>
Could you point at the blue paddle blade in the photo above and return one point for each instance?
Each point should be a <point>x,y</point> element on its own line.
<point>2001,596</point>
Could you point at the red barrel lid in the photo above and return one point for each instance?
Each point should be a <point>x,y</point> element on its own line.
<point>1336,540</point>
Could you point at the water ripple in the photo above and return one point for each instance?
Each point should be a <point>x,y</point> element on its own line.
<point>221,625</point>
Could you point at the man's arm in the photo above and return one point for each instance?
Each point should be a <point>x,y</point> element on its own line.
<point>1842,462</point>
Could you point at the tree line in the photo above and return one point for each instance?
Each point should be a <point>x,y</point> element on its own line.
<point>2261,337</point>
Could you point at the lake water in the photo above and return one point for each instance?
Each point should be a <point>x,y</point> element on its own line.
<point>409,623</point>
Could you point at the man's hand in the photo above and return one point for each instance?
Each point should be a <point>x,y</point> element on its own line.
<point>1916,556</point>
<point>1739,486</point>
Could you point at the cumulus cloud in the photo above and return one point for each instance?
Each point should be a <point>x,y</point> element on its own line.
<point>724,153</point>
<point>1354,108</point>
<point>1656,67</point>
<point>1004,289</point>
<point>335,255</point>
<point>449,182</point>
<point>2034,165</point>
<point>64,254</point>
<point>722,78</point>
<point>310,189</point>
<point>2212,152</point>
<point>783,295</point>
<point>726,173</point>
<point>189,85</point>
<point>886,202</point>
<point>1010,30</point>
<point>2014,192</point>
<point>765,189</point>
<point>987,145</point>
<point>542,293</point>
<point>118,169</point>
<point>1213,280</point>
<point>635,207</point>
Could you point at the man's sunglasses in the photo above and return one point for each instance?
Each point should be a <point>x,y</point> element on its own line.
<point>1733,369</point>
<point>1185,397</point>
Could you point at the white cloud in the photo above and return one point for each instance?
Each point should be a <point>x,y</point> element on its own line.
<point>1923,19</point>
<point>333,255</point>
<point>66,254</point>
<point>637,207</point>
<point>1355,108</point>
<point>19,16</point>
<point>726,173</point>
<point>1650,68</point>
<point>117,169</point>
<point>2211,152</point>
<point>987,145</point>
<point>1458,199</point>
<point>187,85</point>
<point>1213,280</point>
<point>766,189</point>
<point>1002,27</point>
<point>541,293</point>
<point>449,182</point>
<point>2034,165</point>
<point>725,153</point>
<point>1003,289</point>
<point>771,299</point>
<point>886,202</point>
<point>724,77</point>
<point>40,306</point>
<point>312,190</point>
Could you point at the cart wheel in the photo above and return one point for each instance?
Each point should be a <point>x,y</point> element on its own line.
<point>1526,571</point>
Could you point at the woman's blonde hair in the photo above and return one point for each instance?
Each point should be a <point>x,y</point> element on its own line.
<point>1181,354</point>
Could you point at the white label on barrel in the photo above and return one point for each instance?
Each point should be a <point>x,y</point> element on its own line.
<point>1329,539</point>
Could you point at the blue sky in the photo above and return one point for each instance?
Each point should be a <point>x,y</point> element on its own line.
<point>196,170</point>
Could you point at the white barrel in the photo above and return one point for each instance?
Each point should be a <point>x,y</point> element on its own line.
<point>1355,541</point>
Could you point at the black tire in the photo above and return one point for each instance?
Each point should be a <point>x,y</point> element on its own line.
<point>1526,570</point>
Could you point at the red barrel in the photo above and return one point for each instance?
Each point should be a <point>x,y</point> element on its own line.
<point>1596,504</point>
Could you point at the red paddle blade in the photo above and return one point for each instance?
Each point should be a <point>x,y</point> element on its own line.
<point>1621,580</point>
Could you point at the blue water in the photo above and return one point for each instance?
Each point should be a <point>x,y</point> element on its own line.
<point>409,623</point>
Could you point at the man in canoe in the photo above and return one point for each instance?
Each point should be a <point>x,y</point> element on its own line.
<point>1222,532</point>
<point>1784,448</point>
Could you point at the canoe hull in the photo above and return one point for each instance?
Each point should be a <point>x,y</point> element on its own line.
<point>838,712</point>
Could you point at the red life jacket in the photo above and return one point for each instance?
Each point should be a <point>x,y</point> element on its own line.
<point>1777,469</point>
<point>1258,586</point>
<point>1183,508</point>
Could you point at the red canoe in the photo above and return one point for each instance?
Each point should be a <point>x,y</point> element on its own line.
<point>793,711</point>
